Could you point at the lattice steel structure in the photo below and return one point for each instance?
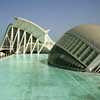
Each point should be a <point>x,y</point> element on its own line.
<point>78,49</point>
<point>24,36</point>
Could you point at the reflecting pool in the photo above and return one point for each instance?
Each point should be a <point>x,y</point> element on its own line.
<point>29,77</point>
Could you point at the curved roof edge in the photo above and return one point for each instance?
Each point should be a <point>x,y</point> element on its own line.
<point>28,21</point>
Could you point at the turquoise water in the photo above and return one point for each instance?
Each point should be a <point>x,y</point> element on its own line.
<point>28,77</point>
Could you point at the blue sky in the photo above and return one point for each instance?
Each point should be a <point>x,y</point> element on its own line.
<point>56,15</point>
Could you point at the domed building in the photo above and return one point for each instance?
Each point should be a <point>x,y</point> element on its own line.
<point>78,49</point>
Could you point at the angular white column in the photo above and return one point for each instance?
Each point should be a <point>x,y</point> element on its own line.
<point>11,40</point>
<point>31,44</point>
<point>24,42</point>
<point>34,46</point>
<point>18,39</point>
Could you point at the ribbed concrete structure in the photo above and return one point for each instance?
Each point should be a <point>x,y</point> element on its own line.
<point>79,47</point>
<point>90,32</point>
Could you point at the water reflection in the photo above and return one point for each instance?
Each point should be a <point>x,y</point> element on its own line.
<point>29,77</point>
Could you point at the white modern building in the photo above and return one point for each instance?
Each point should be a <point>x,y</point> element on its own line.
<point>24,36</point>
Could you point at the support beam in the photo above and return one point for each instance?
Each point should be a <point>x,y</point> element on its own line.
<point>24,42</point>
<point>31,43</point>
<point>18,39</point>
<point>34,46</point>
<point>15,39</point>
<point>28,43</point>
<point>4,40</point>
<point>38,47</point>
<point>20,43</point>
<point>11,40</point>
<point>6,37</point>
<point>43,45</point>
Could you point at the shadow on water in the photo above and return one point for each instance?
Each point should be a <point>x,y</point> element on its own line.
<point>44,61</point>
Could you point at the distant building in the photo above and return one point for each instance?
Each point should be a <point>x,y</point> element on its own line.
<point>24,36</point>
<point>78,49</point>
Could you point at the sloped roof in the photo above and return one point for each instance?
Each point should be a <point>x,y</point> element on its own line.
<point>30,27</point>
